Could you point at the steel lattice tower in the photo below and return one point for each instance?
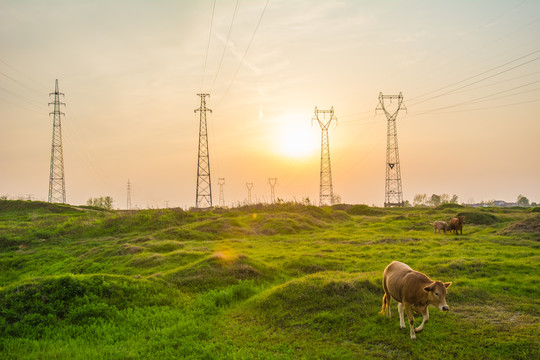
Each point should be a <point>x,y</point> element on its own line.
<point>326,192</point>
<point>249,186</point>
<point>221,182</point>
<point>57,184</point>
<point>128,204</point>
<point>393,191</point>
<point>272,182</point>
<point>204,185</point>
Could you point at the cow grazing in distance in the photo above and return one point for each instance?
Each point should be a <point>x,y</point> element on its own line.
<point>456,224</point>
<point>439,225</point>
<point>413,291</point>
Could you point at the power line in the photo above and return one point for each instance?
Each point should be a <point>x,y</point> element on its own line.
<point>21,73</point>
<point>483,98</point>
<point>21,84</point>
<point>22,107</point>
<point>247,49</point>
<point>225,47</point>
<point>28,100</point>
<point>479,109</point>
<point>208,44</point>
<point>480,74</point>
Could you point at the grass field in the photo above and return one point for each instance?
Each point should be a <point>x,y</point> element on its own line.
<point>262,282</point>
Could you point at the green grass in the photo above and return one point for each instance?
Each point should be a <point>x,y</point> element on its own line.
<point>261,282</point>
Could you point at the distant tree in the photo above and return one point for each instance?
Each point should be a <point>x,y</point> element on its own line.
<point>522,200</point>
<point>419,199</point>
<point>105,202</point>
<point>407,203</point>
<point>445,198</point>
<point>435,200</point>
<point>454,199</point>
<point>337,199</point>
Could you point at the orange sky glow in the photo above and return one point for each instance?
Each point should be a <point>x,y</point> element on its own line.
<point>469,72</point>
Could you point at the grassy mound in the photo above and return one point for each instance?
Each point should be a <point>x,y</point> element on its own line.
<point>364,210</point>
<point>218,271</point>
<point>322,301</point>
<point>222,227</point>
<point>449,206</point>
<point>21,206</point>
<point>285,223</point>
<point>530,225</point>
<point>27,309</point>
<point>180,233</point>
<point>479,218</point>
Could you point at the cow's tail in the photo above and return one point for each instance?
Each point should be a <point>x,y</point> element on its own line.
<point>384,304</point>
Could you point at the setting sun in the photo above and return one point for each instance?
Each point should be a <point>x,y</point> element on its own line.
<point>297,139</point>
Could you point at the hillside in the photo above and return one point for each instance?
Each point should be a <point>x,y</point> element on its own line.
<point>262,282</point>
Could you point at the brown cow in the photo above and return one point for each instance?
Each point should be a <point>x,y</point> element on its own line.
<point>440,225</point>
<point>413,291</point>
<point>456,224</point>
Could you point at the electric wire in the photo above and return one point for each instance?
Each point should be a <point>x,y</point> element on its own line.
<point>208,44</point>
<point>22,107</point>
<point>245,52</point>
<point>480,74</point>
<point>226,44</point>
<point>23,74</point>
<point>37,104</point>
<point>33,89</point>
<point>475,82</point>
<point>483,98</point>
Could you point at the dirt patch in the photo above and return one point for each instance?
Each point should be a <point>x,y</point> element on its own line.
<point>497,315</point>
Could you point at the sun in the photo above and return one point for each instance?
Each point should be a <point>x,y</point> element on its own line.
<point>296,138</point>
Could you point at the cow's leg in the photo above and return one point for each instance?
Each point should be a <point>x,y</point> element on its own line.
<point>425,319</point>
<point>401,316</point>
<point>411,319</point>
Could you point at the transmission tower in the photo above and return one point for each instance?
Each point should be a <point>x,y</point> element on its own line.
<point>249,187</point>
<point>57,184</point>
<point>272,182</point>
<point>204,186</point>
<point>393,192</point>
<point>221,182</point>
<point>326,192</point>
<point>128,205</point>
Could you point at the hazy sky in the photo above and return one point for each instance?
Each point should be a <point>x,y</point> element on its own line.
<point>469,72</point>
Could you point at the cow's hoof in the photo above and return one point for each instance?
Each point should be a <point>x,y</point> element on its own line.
<point>413,337</point>
<point>418,330</point>
<point>402,326</point>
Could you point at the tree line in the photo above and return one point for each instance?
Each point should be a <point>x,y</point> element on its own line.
<point>434,200</point>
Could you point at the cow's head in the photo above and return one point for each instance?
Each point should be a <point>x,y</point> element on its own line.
<point>461,219</point>
<point>437,294</point>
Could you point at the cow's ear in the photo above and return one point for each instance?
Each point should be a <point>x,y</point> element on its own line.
<point>447,285</point>
<point>428,288</point>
